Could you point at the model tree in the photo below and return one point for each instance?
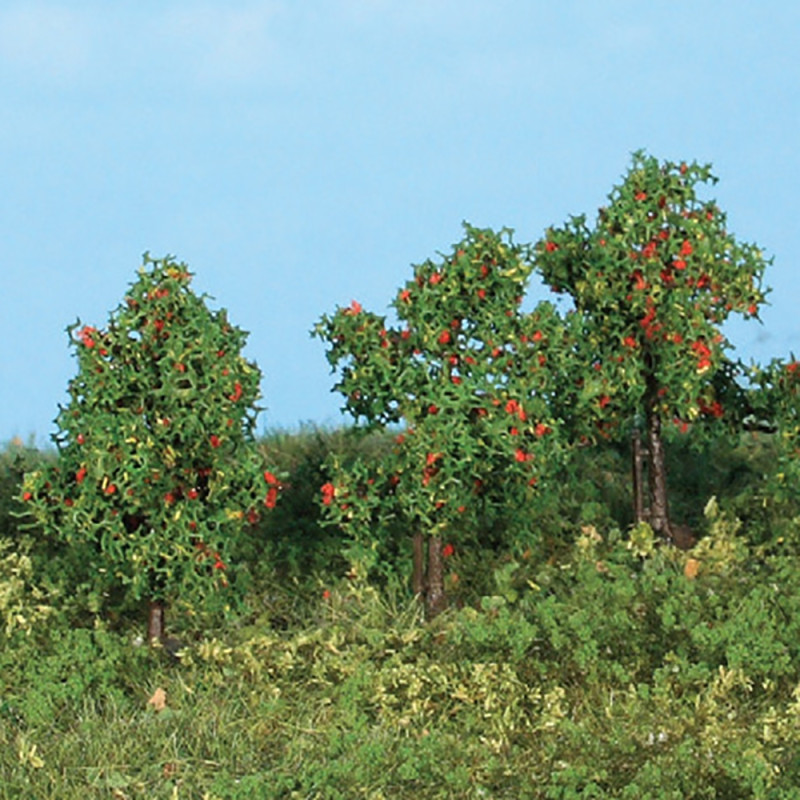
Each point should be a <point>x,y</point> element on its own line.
<point>157,468</point>
<point>773,404</point>
<point>466,375</point>
<point>653,279</point>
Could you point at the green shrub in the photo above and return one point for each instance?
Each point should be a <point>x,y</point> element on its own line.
<point>157,471</point>
<point>23,604</point>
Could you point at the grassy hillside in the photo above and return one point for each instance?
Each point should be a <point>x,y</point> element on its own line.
<point>578,657</point>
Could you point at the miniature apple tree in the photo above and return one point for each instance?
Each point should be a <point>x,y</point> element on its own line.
<point>466,376</point>
<point>157,467</point>
<point>653,279</point>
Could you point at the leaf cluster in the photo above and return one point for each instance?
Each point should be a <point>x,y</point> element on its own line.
<point>157,467</point>
<point>467,375</point>
<point>653,279</point>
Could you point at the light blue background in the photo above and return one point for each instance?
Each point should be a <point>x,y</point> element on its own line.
<point>301,154</point>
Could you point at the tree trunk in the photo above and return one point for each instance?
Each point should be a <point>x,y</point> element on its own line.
<point>640,512</point>
<point>418,573</point>
<point>436,601</point>
<point>659,505</point>
<point>155,623</point>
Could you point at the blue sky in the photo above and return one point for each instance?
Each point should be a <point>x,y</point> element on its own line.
<point>298,155</point>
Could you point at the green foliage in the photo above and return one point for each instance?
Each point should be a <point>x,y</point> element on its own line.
<point>15,460</point>
<point>56,671</point>
<point>606,673</point>
<point>774,399</point>
<point>294,543</point>
<point>157,468</point>
<point>23,605</point>
<point>469,376</point>
<point>653,279</point>
<point>591,665</point>
<point>773,501</point>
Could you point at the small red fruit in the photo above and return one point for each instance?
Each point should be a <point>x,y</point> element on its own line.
<point>237,393</point>
<point>328,491</point>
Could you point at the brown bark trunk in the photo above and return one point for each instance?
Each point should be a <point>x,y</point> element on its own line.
<point>418,570</point>
<point>436,601</point>
<point>639,509</point>
<point>659,504</point>
<point>155,623</point>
